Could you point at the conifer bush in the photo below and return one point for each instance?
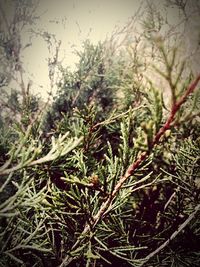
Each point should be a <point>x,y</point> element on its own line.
<point>101,181</point>
<point>108,174</point>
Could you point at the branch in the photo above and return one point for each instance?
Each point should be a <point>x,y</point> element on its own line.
<point>166,243</point>
<point>59,149</point>
<point>176,106</point>
<point>134,166</point>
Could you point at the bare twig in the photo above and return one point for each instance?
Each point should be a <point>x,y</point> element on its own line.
<point>180,228</point>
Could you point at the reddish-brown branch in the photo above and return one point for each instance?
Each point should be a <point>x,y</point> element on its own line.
<point>134,166</point>
<point>174,110</point>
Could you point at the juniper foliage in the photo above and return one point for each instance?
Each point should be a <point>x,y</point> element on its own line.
<point>108,174</point>
<point>110,184</point>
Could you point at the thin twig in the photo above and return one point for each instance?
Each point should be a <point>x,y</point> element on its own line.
<point>180,228</point>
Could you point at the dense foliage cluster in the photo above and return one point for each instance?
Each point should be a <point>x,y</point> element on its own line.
<point>108,174</point>
<point>62,202</point>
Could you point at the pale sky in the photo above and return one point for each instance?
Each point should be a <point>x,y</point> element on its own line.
<point>72,22</point>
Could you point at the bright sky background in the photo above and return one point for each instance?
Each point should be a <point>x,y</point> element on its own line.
<point>73,21</point>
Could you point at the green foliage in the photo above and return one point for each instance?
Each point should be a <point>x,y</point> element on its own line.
<point>109,175</point>
<point>88,85</point>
